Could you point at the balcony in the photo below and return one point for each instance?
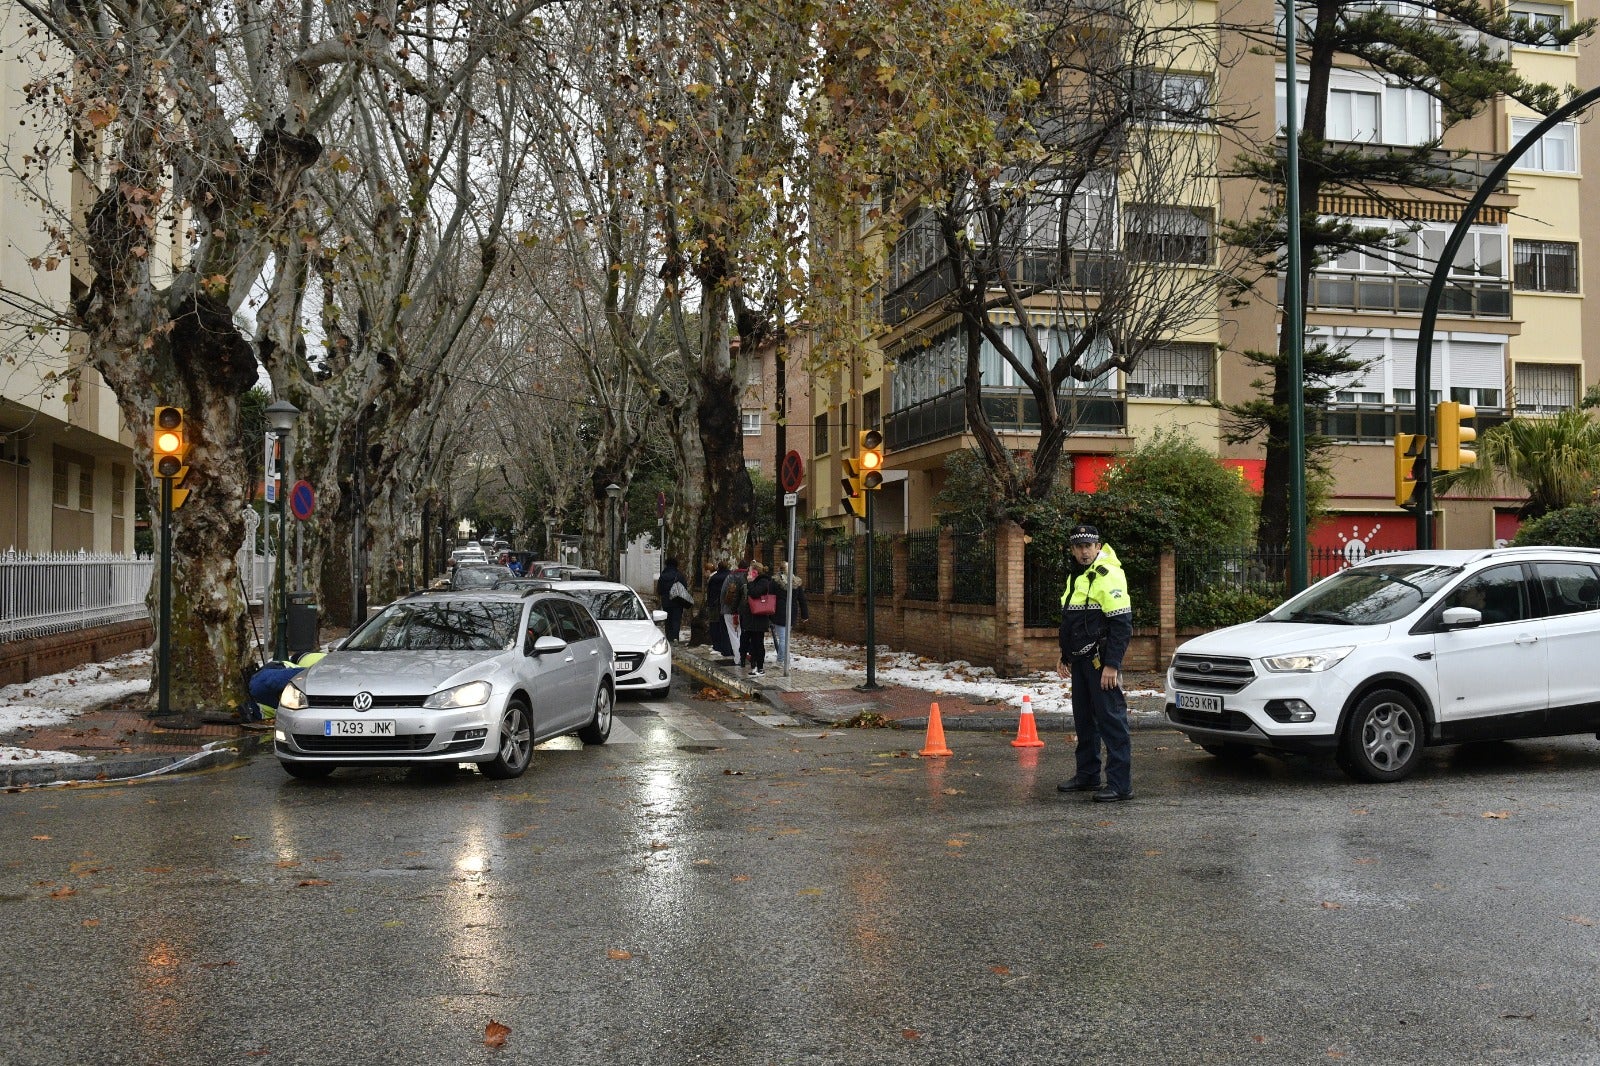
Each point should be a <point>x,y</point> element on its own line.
<point>1399,294</point>
<point>1009,410</point>
<point>1378,423</point>
<point>1086,272</point>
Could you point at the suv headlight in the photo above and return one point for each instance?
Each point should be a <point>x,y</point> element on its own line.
<point>1307,662</point>
<point>660,647</point>
<point>292,698</point>
<point>469,695</point>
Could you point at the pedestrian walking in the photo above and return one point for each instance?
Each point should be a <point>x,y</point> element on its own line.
<point>791,597</point>
<point>1096,626</point>
<point>672,589</point>
<point>716,582</point>
<point>732,601</point>
<point>755,614</point>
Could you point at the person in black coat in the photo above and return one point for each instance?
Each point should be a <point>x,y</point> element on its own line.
<point>670,576</point>
<point>791,597</point>
<point>719,632</point>
<point>752,626</point>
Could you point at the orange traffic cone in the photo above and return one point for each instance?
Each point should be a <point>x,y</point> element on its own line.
<point>1027,728</point>
<point>934,745</point>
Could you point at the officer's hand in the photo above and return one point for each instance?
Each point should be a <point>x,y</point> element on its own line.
<point>1061,669</point>
<point>1110,679</point>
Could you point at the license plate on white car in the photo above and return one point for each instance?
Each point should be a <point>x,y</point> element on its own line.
<point>357,727</point>
<point>1195,701</point>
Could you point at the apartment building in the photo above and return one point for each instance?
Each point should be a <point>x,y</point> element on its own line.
<point>1508,340</point>
<point>66,460</point>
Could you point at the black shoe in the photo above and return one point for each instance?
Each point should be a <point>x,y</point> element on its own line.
<point>1111,795</point>
<point>1076,785</point>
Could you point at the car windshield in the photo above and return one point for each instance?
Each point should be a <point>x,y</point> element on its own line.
<point>611,605</point>
<point>448,625</point>
<point>479,577</point>
<point>1366,595</point>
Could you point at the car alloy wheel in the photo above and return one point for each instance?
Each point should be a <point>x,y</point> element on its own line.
<point>1383,739</point>
<point>516,742</point>
<point>599,727</point>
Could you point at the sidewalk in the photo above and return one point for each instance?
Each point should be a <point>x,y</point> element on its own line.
<point>824,679</point>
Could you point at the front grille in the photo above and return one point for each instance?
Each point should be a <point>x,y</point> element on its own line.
<point>364,745</point>
<point>1228,721</point>
<point>1214,673</point>
<point>345,702</point>
<point>630,660</point>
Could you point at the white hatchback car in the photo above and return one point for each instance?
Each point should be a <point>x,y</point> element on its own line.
<point>449,678</point>
<point>643,654</point>
<point>1400,651</point>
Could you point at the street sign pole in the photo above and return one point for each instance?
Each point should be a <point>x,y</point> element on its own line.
<point>164,655</point>
<point>872,641</point>
<point>790,500</point>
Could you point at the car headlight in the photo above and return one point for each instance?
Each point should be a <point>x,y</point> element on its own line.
<point>660,647</point>
<point>471,694</point>
<point>292,698</point>
<point>1307,662</point>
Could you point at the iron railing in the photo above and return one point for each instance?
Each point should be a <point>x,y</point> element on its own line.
<point>1007,409</point>
<point>61,592</point>
<point>814,565</point>
<point>972,557</point>
<point>844,568</point>
<point>883,565</point>
<point>922,565</point>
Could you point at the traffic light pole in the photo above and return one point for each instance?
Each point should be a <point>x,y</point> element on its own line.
<point>872,641</point>
<point>164,645</point>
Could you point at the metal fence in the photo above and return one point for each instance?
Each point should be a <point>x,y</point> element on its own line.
<point>1262,569</point>
<point>844,568</point>
<point>922,565</point>
<point>883,566</point>
<point>58,593</point>
<point>814,566</point>
<point>973,559</point>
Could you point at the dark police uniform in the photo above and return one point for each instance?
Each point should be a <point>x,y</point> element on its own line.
<point>1096,627</point>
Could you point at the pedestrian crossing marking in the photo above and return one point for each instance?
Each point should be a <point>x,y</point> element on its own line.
<point>695,726</point>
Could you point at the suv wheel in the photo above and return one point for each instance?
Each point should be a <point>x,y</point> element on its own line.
<point>1383,739</point>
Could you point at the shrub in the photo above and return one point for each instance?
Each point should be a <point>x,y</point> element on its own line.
<point>1218,606</point>
<point>1570,527</point>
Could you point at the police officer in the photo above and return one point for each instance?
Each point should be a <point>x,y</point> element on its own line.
<point>1096,626</point>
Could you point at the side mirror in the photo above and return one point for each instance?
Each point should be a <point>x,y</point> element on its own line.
<point>548,645</point>
<point>1461,618</point>
<point>658,616</point>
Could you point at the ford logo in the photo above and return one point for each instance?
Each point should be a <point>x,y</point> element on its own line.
<point>362,702</point>
<point>1204,668</point>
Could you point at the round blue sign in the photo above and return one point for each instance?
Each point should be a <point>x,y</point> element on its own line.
<point>302,500</point>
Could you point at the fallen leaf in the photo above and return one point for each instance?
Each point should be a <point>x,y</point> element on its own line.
<point>1329,905</point>
<point>1001,970</point>
<point>63,892</point>
<point>1577,919</point>
<point>733,773</point>
<point>1098,945</point>
<point>90,923</point>
<point>954,842</point>
<point>1152,853</point>
<point>1258,1038</point>
<point>910,1034</point>
<point>659,845</point>
<point>618,954</point>
<point>1359,810</point>
<point>741,877</point>
<point>286,864</point>
<point>494,1034</point>
<point>1335,1054</point>
<point>951,792</point>
<point>1525,1017</point>
<point>1497,814</point>
<point>217,965</point>
<point>809,892</point>
<point>42,836</point>
<point>238,837</point>
<point>311,882</point>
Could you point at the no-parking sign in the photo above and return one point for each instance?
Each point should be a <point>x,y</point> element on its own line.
<point>302,500</point>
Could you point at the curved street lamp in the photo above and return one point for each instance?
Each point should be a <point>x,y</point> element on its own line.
<point>613,494</point>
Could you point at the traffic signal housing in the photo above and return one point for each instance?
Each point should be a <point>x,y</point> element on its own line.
<point>169,448</point>
<point>869,458</point>
<point>1410,453</point>
<point>854,498</point>
<point>1452,435</point>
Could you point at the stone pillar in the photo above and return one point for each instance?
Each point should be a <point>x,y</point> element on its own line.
<point>947,590</point>
<point>1009,592</point>
<point>1167,600</point>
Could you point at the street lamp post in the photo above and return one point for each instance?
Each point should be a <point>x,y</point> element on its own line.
<point>281,418</point>
<point>613,494</point>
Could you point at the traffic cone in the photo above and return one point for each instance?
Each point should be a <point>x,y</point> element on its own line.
<point>1027,728</point>
<point>934,745</point>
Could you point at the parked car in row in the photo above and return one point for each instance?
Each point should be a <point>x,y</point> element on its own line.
<point>469,576</point>
<point>642,656</point>
<point>1399,652</point>
<point>444,678</point>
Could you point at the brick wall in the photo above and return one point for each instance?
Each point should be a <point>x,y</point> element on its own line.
<point>24,660</point>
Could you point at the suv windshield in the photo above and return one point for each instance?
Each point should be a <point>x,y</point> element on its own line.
<point>1367,595</point>
<point>450,625</point>
<point>478,577</point>
<point>610,605</point>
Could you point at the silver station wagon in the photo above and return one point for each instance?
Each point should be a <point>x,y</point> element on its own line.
<point>433,678</point>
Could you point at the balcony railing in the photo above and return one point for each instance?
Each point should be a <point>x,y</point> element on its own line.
<point>1378,423</point>
<point>1399,294</point>
<point>1008,410</point>
<point>1087,272</point>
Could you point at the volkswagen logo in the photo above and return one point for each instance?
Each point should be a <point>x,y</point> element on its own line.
<point>362,702</point>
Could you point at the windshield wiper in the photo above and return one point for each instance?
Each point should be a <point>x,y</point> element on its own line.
<point>1322,616</point>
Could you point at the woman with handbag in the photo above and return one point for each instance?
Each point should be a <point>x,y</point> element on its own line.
<point>672,588</point>
<point>755,614</point>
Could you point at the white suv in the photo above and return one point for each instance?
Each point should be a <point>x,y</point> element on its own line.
<point>1399,651</point>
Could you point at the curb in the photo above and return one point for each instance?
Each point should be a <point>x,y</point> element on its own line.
<point>1046,723</point>
<point>131,768</point>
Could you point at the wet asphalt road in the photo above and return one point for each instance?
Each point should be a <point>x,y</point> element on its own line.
<point>719,891</point>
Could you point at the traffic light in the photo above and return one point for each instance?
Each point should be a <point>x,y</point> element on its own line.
<point>1410,455</point>
<point>169,449</point>
<point>854,498</point>
<point>869,458</point>
<point>1447,418</point>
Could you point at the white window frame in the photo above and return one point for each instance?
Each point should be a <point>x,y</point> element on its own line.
<point>1399,114</point>
<point>750,421</point>
<point>1555,153</point>
<point>1538,388</point>
<point>1173,372</point>
<point>1542,16</point>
